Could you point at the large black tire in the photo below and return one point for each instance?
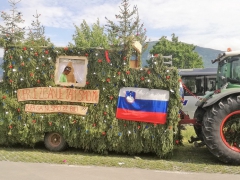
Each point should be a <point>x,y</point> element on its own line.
<point>199,113</point>
<point>221,130</point>
<point>54,142</point>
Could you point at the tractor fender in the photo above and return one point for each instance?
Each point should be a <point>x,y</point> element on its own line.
<point>216,97</point>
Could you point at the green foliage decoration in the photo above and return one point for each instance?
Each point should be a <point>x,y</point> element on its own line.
<point>99,131</point>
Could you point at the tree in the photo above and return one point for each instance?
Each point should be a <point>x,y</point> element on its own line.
<point>86,36</point>
<point>36,33</point>
<point>183,54</point>
<point>126,32</point>
<point>12,32</point>
<point>129,27</point>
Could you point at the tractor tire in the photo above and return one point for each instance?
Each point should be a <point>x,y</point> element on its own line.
<point>199,113</point>
<point>54,142</point>
<point>221,130</point>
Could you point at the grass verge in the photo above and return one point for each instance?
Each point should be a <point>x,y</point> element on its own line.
<point>185,158</point>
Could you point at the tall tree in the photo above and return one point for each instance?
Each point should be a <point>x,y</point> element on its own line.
<point>36,34</point>
<point>12,32</point>
<point>128,26</point>
<point>183,54</point>
<point>86,36</point>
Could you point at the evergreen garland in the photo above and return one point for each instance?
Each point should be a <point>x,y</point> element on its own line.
<point>99,130</point>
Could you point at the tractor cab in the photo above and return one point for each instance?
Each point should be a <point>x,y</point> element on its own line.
<point>228,74</point>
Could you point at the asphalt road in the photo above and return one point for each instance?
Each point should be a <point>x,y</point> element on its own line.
<point>42,171</point>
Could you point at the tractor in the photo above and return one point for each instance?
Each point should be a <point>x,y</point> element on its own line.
<point>217,117</point>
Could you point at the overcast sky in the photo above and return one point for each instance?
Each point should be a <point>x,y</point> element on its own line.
<point>206,23</point>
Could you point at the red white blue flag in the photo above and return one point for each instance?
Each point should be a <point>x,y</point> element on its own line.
<point>142,104</point>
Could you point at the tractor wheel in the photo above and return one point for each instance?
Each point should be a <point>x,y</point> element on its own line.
<point>221,130</point>
<point>54,141</point>
<point>199,113</point>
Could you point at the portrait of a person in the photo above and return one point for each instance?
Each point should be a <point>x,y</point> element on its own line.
<point>63,76</point>
<point>71,71</point>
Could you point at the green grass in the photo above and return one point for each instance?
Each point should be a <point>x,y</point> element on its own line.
<point>185,158</point>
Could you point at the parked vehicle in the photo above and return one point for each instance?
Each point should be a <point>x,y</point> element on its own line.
<point>196,83</point>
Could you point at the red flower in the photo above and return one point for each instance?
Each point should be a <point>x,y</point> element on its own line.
<point>111,97</point>
<point>149,72</point>
<point>31,74</point>
<point>10,127</point>
<point>22,64</point>
<point>86,54</point>
<point>142,78</point>
<point>119,72</point>
<point>94,125</point>
<point>10,80</point>
<point>24,48</point>
<point>155,55</point>
<point>108,80</point>
<point>36,54</point>
<point>99,60</point>
<point>11,57</point>
<point>105,113</point>
<point>18,110</point>
<point>87,82</point>
<point>38,81</point>
<point>103,133</point>
<point>128,72</point>
<point>168,77</point>
<point>50,123</point>
<point>34,121</point>
<point>46,52</point>
<point>139,127</point>
<point>74,122</point>
<point>4,97</point>
<point>66,48</point>
<point>125,58</point>
<point>177,141</point>
<point>10,66</point>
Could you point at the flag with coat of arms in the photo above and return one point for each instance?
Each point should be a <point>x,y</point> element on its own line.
<point>142,104</point>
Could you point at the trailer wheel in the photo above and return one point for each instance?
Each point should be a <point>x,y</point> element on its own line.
<point>221,130</point>
<point>199,113</point>
<point>54,141</point>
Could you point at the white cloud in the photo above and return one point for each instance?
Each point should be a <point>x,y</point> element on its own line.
<point>206,23</point>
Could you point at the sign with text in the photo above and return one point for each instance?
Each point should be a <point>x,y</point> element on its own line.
<point>69,109</point>
<point>58,94</point>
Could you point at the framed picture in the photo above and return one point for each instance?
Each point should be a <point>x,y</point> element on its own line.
<point>71,70</point>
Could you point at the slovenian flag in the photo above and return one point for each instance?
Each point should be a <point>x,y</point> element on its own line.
<point>142,104</point>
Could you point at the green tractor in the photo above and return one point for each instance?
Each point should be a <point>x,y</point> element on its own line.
<point>218,112</point>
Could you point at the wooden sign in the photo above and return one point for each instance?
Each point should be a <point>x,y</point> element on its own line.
<point>58,94</point>
<point>69,109</point>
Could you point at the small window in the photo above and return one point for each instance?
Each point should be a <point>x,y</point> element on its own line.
<point>71,70</point>
<point>211,83</point>
<point>194,84</point>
